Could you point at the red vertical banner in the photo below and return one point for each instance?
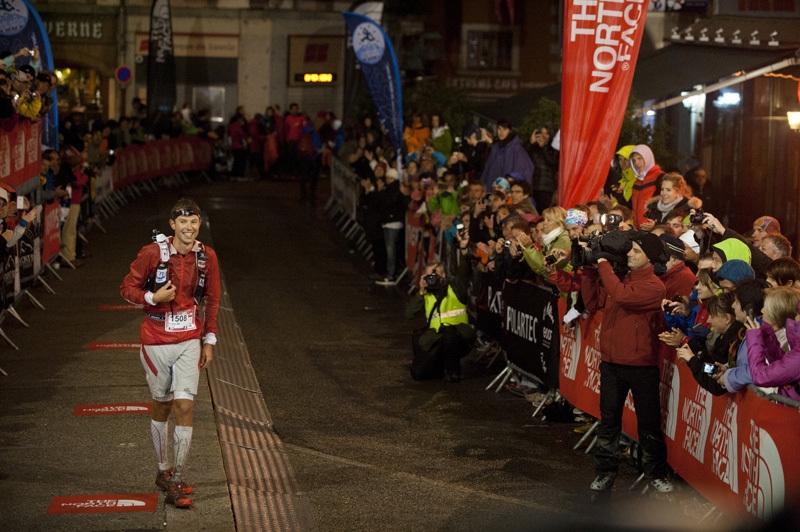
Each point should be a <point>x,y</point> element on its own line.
<point>601,44</point>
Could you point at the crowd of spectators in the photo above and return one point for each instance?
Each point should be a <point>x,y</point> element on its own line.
<point>728,302</point>
<point>503,193</point>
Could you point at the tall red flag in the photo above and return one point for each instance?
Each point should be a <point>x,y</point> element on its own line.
<point>601,43</point>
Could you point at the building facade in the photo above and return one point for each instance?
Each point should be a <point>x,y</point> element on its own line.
<point>228,53</point>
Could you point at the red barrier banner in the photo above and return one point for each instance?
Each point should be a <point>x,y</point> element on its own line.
<point>738,450</point>
<point>420,245</point>
<point>160,158</point>
<point>51,238</point>
<point>601,44</point>
<point>20,151</point>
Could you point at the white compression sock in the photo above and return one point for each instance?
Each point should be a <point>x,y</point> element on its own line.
<point>181,441</point>
<point>159,430</point>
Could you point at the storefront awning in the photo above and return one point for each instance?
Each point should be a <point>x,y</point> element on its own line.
<point>662,75</point>
<point>677,68</point>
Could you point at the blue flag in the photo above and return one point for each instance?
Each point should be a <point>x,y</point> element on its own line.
<point>21,27</point>
<point>378,62</point>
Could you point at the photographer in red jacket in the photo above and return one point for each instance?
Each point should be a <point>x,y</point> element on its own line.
<point>632,319</point>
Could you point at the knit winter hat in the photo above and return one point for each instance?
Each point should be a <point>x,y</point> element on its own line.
<point>768,224</point>
<point>576,217</point>
<point>735,270</point>
<point>674,246</point>
<point>652,246</point>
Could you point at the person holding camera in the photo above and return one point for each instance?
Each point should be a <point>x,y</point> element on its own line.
<point>632,319</point>
<point>439,348</point>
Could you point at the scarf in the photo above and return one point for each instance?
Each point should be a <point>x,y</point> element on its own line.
<point>550,237</point>
<point>664,208</point>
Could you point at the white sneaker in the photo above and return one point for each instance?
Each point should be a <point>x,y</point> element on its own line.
<point>385,282</point>
<point>602,483</point>
<point>662,485</point>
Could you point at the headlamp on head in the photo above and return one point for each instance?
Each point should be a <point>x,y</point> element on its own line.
<point>184,212</point>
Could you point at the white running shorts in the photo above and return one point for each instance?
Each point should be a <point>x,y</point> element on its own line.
<point>172,369</point>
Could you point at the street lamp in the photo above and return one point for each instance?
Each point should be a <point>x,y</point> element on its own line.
<point>794,120</point>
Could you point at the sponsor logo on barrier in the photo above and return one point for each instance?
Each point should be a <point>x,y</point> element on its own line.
<point>521,324</point>
<point>670,389</point>
<point>106,503</point>
<point>761,464</point>
<point>495,301</point>
<point>571,352</point>
<point>591,358</point>
<point>696,413</point>
<point>114,346</point>
<point>724,447</point>
<point>112,409</point>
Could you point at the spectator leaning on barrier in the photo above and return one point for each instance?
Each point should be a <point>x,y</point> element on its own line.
<point>632,319</point>
<point>769,364</point>
<point>748,302</point>
<point>448,337</point>
<point>172,332</point>
<point>728,337</point>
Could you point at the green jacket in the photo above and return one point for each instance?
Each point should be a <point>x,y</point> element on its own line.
<point>535,258</point>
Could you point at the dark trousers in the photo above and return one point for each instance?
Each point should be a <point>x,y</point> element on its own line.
<point>453,347</point>
<point>643,382</point>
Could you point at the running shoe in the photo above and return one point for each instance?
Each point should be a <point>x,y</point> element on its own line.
<point>602,483</point>
<point>177,497</point>
<point>164,479</point>
<point>662,485</point>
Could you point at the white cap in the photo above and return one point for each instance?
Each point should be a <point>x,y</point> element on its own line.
<point>688,238</point>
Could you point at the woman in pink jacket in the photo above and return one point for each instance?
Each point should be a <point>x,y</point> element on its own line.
<point>769,364</point>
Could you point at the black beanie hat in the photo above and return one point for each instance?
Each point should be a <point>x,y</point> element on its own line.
<point>652,246</point>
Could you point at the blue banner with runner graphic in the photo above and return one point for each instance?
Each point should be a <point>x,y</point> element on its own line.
<point>378,62</point>
<point>22,34</point>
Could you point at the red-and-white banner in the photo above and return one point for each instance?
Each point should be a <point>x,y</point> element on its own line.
<point>738,450</point>
<point>160,158</point>
<point>601,44</point>
<point>20,153</point>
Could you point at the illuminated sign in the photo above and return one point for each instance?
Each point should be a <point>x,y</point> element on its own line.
<point>314,77</point>
<point>315,59</point>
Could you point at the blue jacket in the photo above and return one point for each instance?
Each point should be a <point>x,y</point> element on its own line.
<point>507,156</point>
<point>736,379</point>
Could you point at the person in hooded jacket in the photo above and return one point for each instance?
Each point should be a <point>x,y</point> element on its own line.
<point>507,155</point>
<point>392,207</point>
<point>648,181</point>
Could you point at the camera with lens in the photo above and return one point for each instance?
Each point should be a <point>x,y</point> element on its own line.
<point>612,245</point>
<point>433,282</point>
<point>609,222</point>
<point>460,230</point>
<point>507,244</point>
<point>697,217</point>
<point>550,259</point>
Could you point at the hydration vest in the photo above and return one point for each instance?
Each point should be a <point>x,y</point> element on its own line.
<point>154,281</point>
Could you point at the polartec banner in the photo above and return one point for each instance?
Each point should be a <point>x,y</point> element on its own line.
<point>601,44</point>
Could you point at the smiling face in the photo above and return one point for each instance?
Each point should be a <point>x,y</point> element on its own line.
<point>186,230</point>
<point>668,192</point>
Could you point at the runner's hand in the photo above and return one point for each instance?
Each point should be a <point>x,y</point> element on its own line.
<point>165,293</point>
<point>206,354</point>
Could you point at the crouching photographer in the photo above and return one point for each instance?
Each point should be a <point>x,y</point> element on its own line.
<point>447,338</point>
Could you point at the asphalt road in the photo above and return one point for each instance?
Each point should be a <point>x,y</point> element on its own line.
<point>373,449</point>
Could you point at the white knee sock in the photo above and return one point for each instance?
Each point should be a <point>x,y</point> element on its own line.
<point>181,441</point>
<point>159,430</point>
